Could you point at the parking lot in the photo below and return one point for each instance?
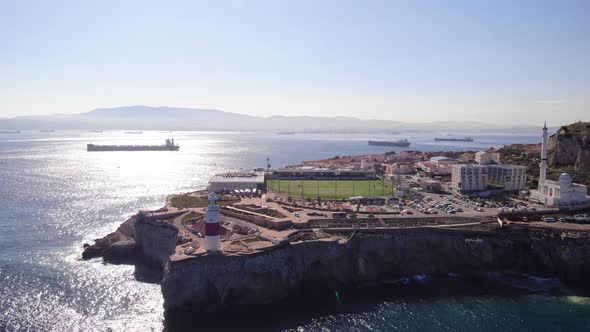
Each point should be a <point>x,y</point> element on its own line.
<point>448,205</point>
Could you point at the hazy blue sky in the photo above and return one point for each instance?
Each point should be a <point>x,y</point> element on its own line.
<point>493,61</point>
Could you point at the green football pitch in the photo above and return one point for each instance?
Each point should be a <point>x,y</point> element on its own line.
<point>331,189</point>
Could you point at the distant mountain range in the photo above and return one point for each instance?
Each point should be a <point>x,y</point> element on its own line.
<point>172,118</point>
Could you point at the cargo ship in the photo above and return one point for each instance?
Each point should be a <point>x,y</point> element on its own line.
<point>400,143</point>
<point>9,131</point>
<point>455,139</point>
<point>169,146</point>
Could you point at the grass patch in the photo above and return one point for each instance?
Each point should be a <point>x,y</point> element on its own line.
<point>187,201</point>
<point>331,189</point>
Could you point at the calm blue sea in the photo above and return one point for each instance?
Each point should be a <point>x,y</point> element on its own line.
<point>55,196</point>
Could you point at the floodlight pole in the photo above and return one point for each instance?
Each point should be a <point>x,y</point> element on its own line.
<point>302,189</point>
<point>318,181</point>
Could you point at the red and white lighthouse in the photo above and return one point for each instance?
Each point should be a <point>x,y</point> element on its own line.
<point>212,240</point>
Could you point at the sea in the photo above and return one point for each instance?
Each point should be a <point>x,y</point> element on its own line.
<point>55,196</point>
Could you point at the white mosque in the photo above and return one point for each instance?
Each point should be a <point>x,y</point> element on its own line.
<point>560,193</point>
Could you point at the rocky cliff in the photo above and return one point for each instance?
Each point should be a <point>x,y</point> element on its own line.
<point>156,241</point>
<point>117,247</point>
<point>369,259</point>
<point>571,146</point>
<point>140,238</point>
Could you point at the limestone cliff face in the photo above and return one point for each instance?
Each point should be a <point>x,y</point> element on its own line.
<point>571,146</point>
<point>369,259</point>
<point>155,240</point>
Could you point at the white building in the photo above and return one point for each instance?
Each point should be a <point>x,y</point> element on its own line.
<point>467,178</point>
<point>236,180</point>
<point>367,163</point>
<point>562,192</point>
<point>467,157</point>
<point>439,165</point>
<point>486,158</point>
<point>508,177</point>
<point>398,168</point>
<point>443,161</point>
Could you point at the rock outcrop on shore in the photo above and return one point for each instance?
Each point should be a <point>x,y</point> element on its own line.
<point>118,247</point>
<point>369,259</point>
<point>140,239</point>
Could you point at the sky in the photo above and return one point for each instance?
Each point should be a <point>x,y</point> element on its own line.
<point>504,62</point>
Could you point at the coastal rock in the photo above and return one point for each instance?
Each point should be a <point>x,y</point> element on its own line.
<point>368,259</point>
<point>156,241</point>
<point>122,252</point>
<point>117,247</point>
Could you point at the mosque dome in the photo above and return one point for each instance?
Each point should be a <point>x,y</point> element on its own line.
<point>565,178</point>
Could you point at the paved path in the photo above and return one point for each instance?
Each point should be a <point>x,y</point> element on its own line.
<point>182,228</point>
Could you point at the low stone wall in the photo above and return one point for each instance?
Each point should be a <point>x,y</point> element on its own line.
<point>163,216</point>
<point>267,223</point>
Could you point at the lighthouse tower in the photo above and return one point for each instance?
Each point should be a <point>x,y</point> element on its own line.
<point>543,173</point>
<point>212,240</point>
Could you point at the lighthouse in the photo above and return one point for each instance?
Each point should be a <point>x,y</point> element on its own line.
<point>212,240</point>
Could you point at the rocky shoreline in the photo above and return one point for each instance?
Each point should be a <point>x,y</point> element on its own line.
<point>359,259</point>
<point>118,247</point>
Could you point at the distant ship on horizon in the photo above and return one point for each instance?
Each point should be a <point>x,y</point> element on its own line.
<point>134,132</point>
<point>286,133</point>
<point>399,143</point>
<point>95,131</point>
<point>455,139</point>
<point>9,131</point>
<point>169,146</point>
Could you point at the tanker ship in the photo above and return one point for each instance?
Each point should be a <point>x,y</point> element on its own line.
<point>400,143</point>
<point>455,139</point>
<point>169,146</point>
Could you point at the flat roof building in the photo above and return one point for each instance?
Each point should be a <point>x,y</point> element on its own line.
<point>236,181</point>
<point>486,158</point>
<point>443,160</point>
<point>469,178</point>
<point>507,177</point>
